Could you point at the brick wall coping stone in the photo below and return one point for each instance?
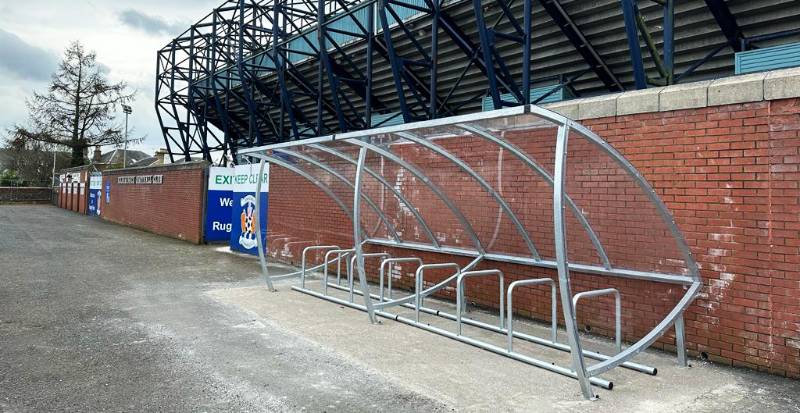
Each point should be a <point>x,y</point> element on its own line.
<point>756,87</point>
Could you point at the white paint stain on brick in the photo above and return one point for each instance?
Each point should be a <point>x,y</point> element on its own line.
<point>721,283</point>
<point>718,267</point>
<point>397,271</point>
<point>721,237</point>
<point>398,185</point>
<point>675,262</point>
<point>718,252</point>
<point>718,290</point>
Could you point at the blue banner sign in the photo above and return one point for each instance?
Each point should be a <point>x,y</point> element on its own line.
<point>219,202</point>
<point>243,218</point>
<point>95,190</point>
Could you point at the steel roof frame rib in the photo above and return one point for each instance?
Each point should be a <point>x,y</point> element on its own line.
<point>307,176</point>
<point>343,179</point>
<point>431,185</point>
<point>387,185</point>
<point>534,166</point>
<point>482,182</point>
<point>337,75</point>
<point>228,126</point>
<point>575,35</point>
<point>496,67</point>
<point>566,129</point>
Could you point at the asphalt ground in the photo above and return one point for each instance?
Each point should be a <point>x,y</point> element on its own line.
<point>100,317</point>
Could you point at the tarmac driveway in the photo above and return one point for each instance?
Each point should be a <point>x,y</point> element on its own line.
<point>99,317</point>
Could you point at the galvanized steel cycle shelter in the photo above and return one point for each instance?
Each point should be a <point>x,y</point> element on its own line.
<point>595,215</point>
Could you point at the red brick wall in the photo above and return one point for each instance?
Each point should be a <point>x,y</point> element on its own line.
<point>26,194</point>
<point>69,193</point>
<point>73,196</point>
<point>74,200</point>
<point>80,197</point>
<point>62,195</point>
<point>173,208</point>
<point>730,177</point>
<point>83,202</point>
<point>728,174</point>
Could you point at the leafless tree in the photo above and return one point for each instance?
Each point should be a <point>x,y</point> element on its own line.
<point>78,110</point>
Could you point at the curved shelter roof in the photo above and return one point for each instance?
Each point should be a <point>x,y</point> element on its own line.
<point>522,185</point>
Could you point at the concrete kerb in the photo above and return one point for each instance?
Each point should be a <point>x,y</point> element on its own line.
<point>482,381</point>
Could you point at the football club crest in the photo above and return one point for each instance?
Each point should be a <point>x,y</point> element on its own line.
<point>244,222</point>
<point>247,238</point>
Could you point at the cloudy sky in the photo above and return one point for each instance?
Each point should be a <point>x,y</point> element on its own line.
<point>125,34</point>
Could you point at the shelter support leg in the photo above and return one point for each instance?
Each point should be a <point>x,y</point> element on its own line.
<point>362,276</point>
<point>570,323</point>
<point>262,259</point>
<point>680,341</point>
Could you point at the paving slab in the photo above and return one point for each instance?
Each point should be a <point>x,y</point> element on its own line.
<point>470,379</point>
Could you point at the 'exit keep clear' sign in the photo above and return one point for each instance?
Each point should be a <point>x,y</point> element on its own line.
<point>244,221</point>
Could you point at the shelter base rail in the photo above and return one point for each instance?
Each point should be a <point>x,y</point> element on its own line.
<point>641,368</point>
<point>597,381</point>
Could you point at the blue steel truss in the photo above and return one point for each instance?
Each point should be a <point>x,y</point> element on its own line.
<point>256,72</point>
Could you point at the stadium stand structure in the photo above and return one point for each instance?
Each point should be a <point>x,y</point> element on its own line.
<point>258,72</point>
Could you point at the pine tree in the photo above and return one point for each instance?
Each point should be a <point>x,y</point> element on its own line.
<point>78,110</point>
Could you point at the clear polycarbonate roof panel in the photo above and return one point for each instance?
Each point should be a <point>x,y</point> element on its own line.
<point>429,190</point>
<point>486,182</point>
<point>525,146</point>
<point>626,221</point>
<point>336,170</point>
